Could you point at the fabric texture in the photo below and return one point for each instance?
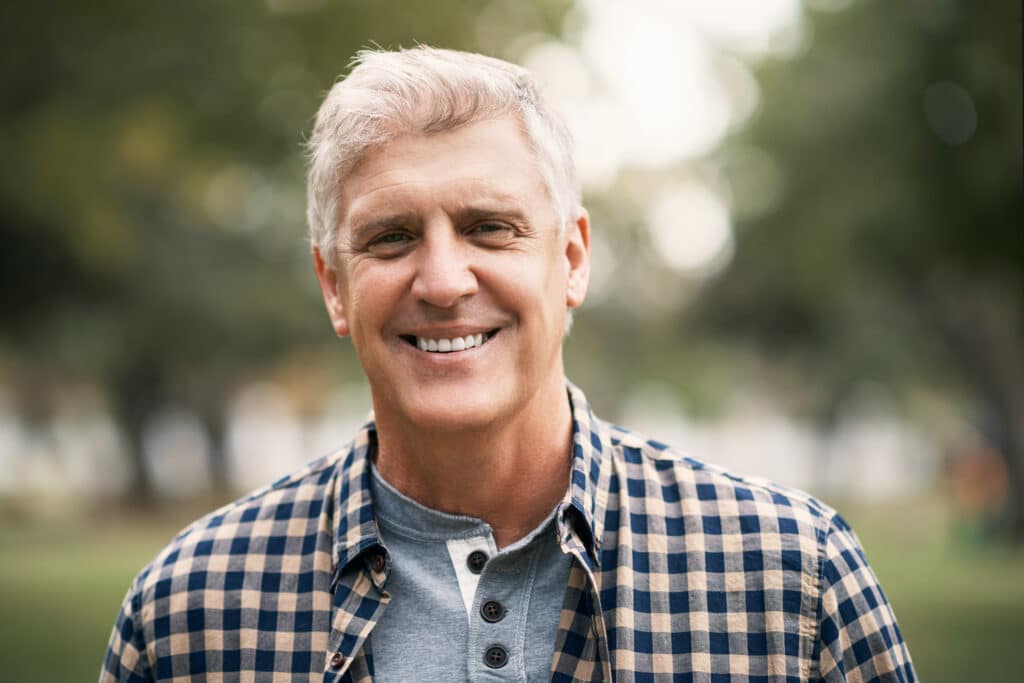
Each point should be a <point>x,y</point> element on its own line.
<point>681,571</point>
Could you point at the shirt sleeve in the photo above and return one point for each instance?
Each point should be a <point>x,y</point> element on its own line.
<point>126,660</point>
<point>859,639</point>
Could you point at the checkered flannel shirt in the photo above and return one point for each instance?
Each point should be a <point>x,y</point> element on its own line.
<point>681,572</point>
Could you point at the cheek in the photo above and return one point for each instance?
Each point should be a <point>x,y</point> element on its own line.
<point>372,296</point>
<point>536,289</point>
<point>367,319</point>
<point>553,272</point>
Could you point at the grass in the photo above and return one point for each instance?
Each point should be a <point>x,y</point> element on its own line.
<point>959,601</point>
<point>960,604</point>
<point>61,585</point>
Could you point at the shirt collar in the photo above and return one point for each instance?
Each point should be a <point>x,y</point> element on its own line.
<point>355,528</point>
<point>580,516</point>
<point>586,501</point>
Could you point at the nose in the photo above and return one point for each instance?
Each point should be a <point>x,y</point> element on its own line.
<point>443,271</point>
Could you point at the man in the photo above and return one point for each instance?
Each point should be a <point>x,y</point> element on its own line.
<point>484,524</point>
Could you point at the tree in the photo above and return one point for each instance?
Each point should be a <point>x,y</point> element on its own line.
<point>894,251</point>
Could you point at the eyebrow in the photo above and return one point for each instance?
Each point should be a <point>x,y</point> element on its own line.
<point>472,213</point>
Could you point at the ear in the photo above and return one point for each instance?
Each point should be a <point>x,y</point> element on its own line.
<point>329,287</point>
<point>577,256</point>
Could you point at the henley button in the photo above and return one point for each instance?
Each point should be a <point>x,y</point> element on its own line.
<point>337,660</point>
<point>492,611</point>
<point>377,563</point>
<point>476,561</point>
<point>496,657</point>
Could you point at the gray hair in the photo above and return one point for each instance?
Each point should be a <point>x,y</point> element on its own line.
<point>427,90</point>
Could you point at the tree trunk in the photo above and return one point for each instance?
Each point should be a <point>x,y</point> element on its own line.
<point>214,420</point>
<point>1009,438</point>
<point>982,326</point>
<point>134,395</point>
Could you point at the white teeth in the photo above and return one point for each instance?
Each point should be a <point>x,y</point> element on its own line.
<point>449,345</point>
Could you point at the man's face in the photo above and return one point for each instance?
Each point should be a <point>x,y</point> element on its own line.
<point>452,276</point>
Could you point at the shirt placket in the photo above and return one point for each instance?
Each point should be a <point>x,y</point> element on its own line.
<point>593,662</point>
<point>356,611</point>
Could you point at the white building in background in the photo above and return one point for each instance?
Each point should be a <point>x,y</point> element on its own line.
<point>871,456</point>
<point>264,437</point>
<point>344,412</point>
<point>177,451</point>
<point>51,466</point>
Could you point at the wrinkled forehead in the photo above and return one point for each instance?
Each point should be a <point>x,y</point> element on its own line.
<point>485,163</point>
<point>490,157</point>
<point>433,118</point>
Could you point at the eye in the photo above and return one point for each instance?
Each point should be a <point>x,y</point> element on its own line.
<point>490,227</point>
<point>492,232</point>
<point>389,243</point>
<point>391,238</point>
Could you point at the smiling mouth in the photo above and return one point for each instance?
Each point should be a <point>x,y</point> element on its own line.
<point>451,345</point>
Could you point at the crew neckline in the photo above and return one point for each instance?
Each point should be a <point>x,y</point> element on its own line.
<point>404,515</point>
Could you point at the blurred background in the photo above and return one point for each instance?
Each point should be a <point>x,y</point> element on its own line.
<point>806,268</point>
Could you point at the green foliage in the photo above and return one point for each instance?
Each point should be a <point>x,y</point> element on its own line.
<point>878,214</point>
<point>893,253</point>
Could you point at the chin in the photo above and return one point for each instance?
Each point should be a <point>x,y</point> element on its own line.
<point>453,413</point>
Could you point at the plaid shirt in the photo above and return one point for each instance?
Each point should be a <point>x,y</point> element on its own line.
<point>681,571</point>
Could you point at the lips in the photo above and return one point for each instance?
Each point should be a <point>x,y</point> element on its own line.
<point>449,344</point>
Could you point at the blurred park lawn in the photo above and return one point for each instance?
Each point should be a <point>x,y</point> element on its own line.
<point>960,602</point>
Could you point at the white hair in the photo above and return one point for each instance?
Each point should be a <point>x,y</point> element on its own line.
<point>427,90</point>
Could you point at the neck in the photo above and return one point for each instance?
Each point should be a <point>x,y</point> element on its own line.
<point>510,474</point>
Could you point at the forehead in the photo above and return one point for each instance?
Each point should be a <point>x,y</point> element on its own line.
<point>485,161</point>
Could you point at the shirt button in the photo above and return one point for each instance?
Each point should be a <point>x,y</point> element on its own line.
<point>496,657</point>
<point>377,562</point>
<point>476,561</point>
<point>337,660</point>
<point>492,611</point>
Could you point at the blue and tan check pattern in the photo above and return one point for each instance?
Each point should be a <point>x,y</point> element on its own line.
<point>682,572</point>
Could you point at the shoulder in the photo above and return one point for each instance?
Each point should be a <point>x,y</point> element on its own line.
<point>282,517</point>
<point>795,558</point>
<point>665,480</point>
